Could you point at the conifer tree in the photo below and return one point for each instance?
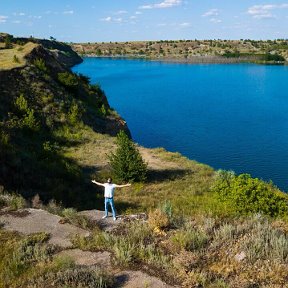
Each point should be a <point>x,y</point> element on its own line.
<point>127,163</point>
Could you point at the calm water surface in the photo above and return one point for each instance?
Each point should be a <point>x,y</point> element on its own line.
<point>228,116</point>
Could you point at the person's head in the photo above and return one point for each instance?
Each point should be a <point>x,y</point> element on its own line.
<point>109,180</point>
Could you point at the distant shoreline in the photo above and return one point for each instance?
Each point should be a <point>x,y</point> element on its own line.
<point>192,60</point>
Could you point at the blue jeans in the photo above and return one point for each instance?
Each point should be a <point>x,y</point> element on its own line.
<point>111,202</point>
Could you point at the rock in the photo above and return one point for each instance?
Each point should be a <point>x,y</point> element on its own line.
<point>38,220</point>
<point>138,279</point>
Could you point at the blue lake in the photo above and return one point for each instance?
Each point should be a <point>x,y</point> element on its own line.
<point>233,117</point>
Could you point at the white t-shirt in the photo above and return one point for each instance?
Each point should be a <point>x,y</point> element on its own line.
<point>109,190</point>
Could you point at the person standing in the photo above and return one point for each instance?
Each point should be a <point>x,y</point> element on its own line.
<point>109,195</point>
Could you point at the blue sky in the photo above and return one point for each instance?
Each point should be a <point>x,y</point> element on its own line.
<point>127,20</point>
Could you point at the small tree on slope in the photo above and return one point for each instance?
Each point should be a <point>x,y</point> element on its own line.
<point>127,163</point>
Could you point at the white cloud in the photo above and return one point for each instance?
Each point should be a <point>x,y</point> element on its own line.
<point>113,20</point>
<point>215,20</point>
<point>118,20</point>
<point>265,11</point>
<point>68,12</point>
<point>133,17</point>
<point>19,14</point>
<point>107,19</point>
<point>185,24</point>
<point>138,13</point>
<point>16,22</point>
<point>211,12</point>
<point>164,4</point>
<point>3,19</point>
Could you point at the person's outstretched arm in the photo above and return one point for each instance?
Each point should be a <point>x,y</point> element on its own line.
<point>97,183</point>
<point>120,186</point>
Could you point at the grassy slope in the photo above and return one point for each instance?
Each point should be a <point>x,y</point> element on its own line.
<point>7,56</point>
<point>171,177</point>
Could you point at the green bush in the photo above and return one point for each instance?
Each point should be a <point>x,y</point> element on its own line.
<point>74,114</point>
<point>16,59</point>
<point>250,195</point>
<point>30,121</point>
<point>27,118</point>
<point>127,163</point>
<point>21,103</point>
<point>4,139</point>
<point>273,57</point>
<point>69,80</point>
<point>40,64</point>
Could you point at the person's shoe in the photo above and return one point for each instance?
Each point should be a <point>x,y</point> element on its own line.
<point>114,218</point>
<point>104,217</point>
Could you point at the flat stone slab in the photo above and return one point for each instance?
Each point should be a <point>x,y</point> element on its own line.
<point>106,224</point>
<point>88,258</point>
<point>138,279</point>
<point>37,220</point>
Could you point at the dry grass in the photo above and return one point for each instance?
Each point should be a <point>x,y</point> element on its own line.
<point>15,57</point>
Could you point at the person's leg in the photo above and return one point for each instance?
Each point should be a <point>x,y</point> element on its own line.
<point>106,207</point>
<point>111,201</point>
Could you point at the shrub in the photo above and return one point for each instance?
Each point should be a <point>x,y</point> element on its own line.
<point>36,201</point>
<point>40,64</point>
<point>75,277</point>
<point>265,243</point>
<point>189,240</point>
<point>54,208</point>
<point>21,103</point>
<point>28,118</point>
<point>74,114</point>
<point>12,201</point>
<point>8,41</point>
<point>250,195</point>
<point>29,121</point>
<point>16,59</point>
<point>157,219</point>
<point>67,79</point>
<point>25,253</point>
<point>127,163</point>
<point>224,233</point>
<point>73,217</point>
<point>4,138</point>
<point>273,57</point>
<point>124,252</point>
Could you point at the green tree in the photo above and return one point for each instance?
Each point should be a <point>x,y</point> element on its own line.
<point>8,42</point>
<point>127,163</point>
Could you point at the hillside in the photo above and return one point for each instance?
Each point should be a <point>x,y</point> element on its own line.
<point>194,51</point>
<point>61,51</point>
<point>43,107</point>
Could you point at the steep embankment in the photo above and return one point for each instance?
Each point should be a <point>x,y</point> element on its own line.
<point>43,108</point>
